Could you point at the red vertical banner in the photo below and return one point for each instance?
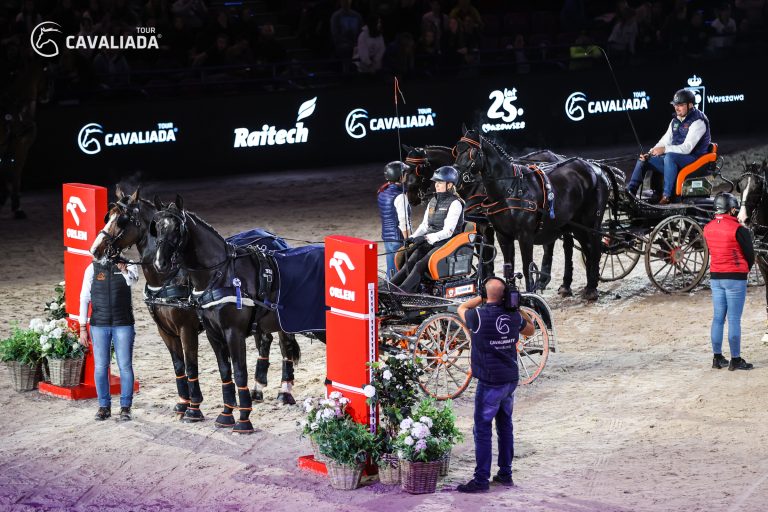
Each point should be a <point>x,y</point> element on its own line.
<point>351,281</point>
<point>84,208</point>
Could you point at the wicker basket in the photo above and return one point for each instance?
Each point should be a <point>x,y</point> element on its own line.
<point>65,372</point>
<point>344,477</point>
<point>389,469</point>
<point>419,477</point>
<point>23,375</point>
<point>445,463</point>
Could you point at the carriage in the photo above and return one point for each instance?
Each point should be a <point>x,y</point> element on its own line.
<point>669,237</point>
<point>426,326</point>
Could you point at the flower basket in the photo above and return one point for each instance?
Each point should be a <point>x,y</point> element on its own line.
<point>389,469</point>
<point>22,375</point>
<point>316,451</point>
<point>65,372</point>
<point>419,477</point>
<point>344,477</point>
<point>445,463</point>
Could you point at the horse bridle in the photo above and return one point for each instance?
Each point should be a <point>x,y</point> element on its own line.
<point>419,163</point>
<point>111,252</point>
<point>467,175</point>
<point>761,177</point>
<point>183,234</point>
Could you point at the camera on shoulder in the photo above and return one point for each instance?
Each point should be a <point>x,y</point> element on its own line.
<point>511,293</point>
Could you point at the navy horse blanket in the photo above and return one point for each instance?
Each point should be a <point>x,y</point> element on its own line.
<point>301,274</point>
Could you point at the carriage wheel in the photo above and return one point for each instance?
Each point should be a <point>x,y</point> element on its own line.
<point>755,277</point>
<point>618,254</point>
<point>442,345</point>
<point>676,257</point>
<point>533,350</point>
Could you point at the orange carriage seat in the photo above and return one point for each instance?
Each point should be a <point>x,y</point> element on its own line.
<point>455,257</point>
<point>702,166</point>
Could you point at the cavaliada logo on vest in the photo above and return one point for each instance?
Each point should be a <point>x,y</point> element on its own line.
<point>359,122</point>
<point>270,136</point>
<point>47,37</point>
<point>91,137</point>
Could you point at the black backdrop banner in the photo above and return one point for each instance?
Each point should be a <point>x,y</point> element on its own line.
<point>315,128</point>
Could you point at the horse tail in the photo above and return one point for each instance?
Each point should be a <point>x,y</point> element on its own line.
<point>613,176</point>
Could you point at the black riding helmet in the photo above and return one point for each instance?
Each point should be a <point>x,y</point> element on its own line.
<point>683,97</point>
<point>446,173</point>
<point>393,171</point>
<point>725,202</point>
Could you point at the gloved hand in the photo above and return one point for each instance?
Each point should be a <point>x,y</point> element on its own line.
<point>415,240</point>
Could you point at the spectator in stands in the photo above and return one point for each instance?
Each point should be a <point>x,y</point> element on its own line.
<point>267,49</point>
<point>621,42</point>
<point>471,33</point>
<point>399,59</point>
<point>675,30</point>
<point>436,21</point>
<point>215,55</point>
<point>86,29</point>
<point>463,9</point>
<point>752,14</point>
<point>428,43</point>
<point>177,43</point>
<point>160,11</point>
<point>583,52</point>
<point>454,48</point>
<point>370,46</point>
<point>28,18</point>
<point>193,12</point>
<point>111,69</point>
<point>723,28</point>
<point>407,14</point>
<point>698,36</point>
<point>65,16</point>
<point>522,64</point>
<point>346,24</point>
<point>122,13</point>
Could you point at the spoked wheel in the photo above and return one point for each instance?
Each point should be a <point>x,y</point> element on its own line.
<point>533,350</point>
<point>619,251</point>
<point>677,256</point>
<point>755,277</point>
<point>442,345</point>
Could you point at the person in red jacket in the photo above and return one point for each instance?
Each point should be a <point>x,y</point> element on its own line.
<point>731,255</point>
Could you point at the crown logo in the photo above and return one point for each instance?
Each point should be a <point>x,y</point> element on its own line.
<point>694,81</point>
<point>511,94</point>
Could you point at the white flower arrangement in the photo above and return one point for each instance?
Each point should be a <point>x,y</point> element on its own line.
<point>57,339</point>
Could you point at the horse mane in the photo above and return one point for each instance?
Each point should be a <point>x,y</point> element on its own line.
<point>197,218</point>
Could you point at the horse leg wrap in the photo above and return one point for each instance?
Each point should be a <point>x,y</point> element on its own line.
<point>287,371</point>
<point>195,393</point>
<point>225,418</point>
<point>262,364</point>
<point>182,387</point>
<point>243,425</point>
<point>285,396</point>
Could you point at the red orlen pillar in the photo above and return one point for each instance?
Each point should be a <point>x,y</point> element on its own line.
<point>351,331</point>
<point>84,208</point>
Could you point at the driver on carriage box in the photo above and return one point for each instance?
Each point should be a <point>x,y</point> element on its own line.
<point>444,217</point>
<point>686,139</point>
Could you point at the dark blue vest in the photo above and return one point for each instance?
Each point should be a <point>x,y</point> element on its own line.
<point>389,224</point>
<point>110,297</point>
<point>680,131</point>
<point>437,211</point>
<point>494,345</point>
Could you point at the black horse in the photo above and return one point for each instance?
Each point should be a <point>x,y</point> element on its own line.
<point>536,207</point>
<point>29,86</point>
<point>219,272</point>
<point>753,187</point>
<point>422,164</point>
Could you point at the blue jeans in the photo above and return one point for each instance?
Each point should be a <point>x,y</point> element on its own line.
<point>391,249</point>
<point>669,164</point>
<point>728,297</point>
<point>493,401</point>
<point>103,338</point>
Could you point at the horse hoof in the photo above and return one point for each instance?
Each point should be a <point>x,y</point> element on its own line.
<point>225,421</point>
<point>590,295</point>
<point>193,416</point>
<point>19,215</point>
<point>180,409</point>
<point>286,398</point>
<point>243,427</point>
<point>257,396</point>
<point>565,291</point>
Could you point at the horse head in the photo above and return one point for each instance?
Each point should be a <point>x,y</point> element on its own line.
<point>752,186</point>
<point>417,177</point>
<point>169,227</point>
<point>469,156</point>
<point>123,228</point>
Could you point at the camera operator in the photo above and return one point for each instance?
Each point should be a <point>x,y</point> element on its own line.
<point>495,327</point>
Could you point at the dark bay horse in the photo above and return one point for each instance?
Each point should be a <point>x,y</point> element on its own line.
<point>218,272</point>
<point>537,207</point>
<point>752,185</point>
<point>422,163</point>
<point>167,297</point>
<point>18,129</point>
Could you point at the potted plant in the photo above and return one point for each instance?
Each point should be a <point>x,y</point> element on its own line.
<point>421,454</point>
<point>394,390</point>
<point>55,309</point>
<point>346,444</point>
<point>320,413</point>
<point>21,353</point>
<point>62,350</point>
<point>443,426</point>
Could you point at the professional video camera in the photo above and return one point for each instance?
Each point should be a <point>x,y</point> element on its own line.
<point>511,293</point>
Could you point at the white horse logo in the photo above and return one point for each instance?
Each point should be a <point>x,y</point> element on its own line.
<point>503,323</point>
<point>572,110</point>
<point>88,144</point>
<point>74,204</point>
<point>355,128</point>
<point>337,260</point>
<point>40,40</point>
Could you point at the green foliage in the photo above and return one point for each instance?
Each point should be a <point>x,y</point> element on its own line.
<point>344,441</point>
<point>57,339</point>
<point>429,434</point>
<point>396,383</point>
<point>443,419</point>
<point>55,309</point>
<point>23,346</point>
